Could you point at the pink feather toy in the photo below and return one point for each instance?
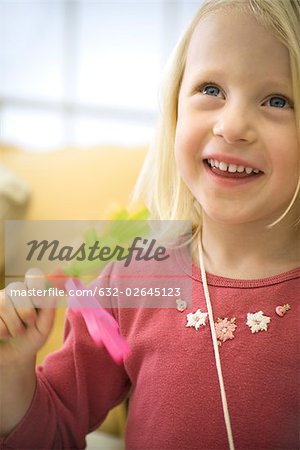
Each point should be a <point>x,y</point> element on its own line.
<point>101,325</point>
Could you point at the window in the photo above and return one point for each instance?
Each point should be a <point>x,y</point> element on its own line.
<point>84,72</point>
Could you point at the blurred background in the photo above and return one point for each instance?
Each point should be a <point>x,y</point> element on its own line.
<point>79,85</point>
<point>79,100</point>
<point>84,72</point>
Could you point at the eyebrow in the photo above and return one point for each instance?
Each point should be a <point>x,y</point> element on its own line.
<point>274,84</point>
<point>215,74</point>
<point>197,73</point>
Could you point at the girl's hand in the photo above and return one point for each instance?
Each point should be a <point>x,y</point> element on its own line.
<point>25,321</point>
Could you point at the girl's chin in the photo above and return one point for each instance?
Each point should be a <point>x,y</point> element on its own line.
<point>228,215</point>
<point>237,219</point>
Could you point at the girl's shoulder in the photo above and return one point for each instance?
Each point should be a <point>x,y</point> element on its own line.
<point>292,276</point>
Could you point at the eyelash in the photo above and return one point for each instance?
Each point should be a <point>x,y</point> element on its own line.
<point>214,85</point>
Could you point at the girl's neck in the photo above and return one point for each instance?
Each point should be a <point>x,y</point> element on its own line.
<point>249,251</point>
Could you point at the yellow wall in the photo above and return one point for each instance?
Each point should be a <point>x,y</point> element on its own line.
<point>76,183</point>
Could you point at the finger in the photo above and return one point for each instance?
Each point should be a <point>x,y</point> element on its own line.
<point>9,317</point>
<point>21,302</point>
<point>4,333</point>
<point>35,279</point>
<point>46,316</point>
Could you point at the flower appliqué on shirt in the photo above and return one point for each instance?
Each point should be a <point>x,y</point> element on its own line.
<point>282,310</point>
<point>225,329</point>
<point>181,305</point>
<point>257,321</point>
<point>196,319</point>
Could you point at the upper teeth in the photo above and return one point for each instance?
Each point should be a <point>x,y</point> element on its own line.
<point>231,167</point>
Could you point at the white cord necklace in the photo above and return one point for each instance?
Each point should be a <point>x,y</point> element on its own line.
<point>216,347</point>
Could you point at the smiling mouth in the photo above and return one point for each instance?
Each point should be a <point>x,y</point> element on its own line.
<point>231,170</point>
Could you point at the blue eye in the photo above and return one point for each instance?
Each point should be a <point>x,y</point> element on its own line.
<point>210,90</point>
<point>278,102</point>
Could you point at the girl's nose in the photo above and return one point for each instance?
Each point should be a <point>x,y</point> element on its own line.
<point>235,124</point>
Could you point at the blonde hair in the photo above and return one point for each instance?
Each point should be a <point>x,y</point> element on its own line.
<point>159,184</point>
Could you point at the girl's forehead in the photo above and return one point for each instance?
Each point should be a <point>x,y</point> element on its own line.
<point>235,40</point>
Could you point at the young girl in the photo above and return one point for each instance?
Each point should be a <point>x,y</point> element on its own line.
<point>223,373</point>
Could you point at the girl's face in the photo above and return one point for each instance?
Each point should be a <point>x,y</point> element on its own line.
<point>236,139</point>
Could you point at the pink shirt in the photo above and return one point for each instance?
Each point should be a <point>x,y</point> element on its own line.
<point>171,377</point>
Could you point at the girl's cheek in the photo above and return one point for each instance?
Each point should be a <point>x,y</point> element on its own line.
<point>186,136</point>
<point>182,146</point>
<point>181,149</point>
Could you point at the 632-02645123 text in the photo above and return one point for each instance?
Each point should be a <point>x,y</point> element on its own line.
<point>100,291</point>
